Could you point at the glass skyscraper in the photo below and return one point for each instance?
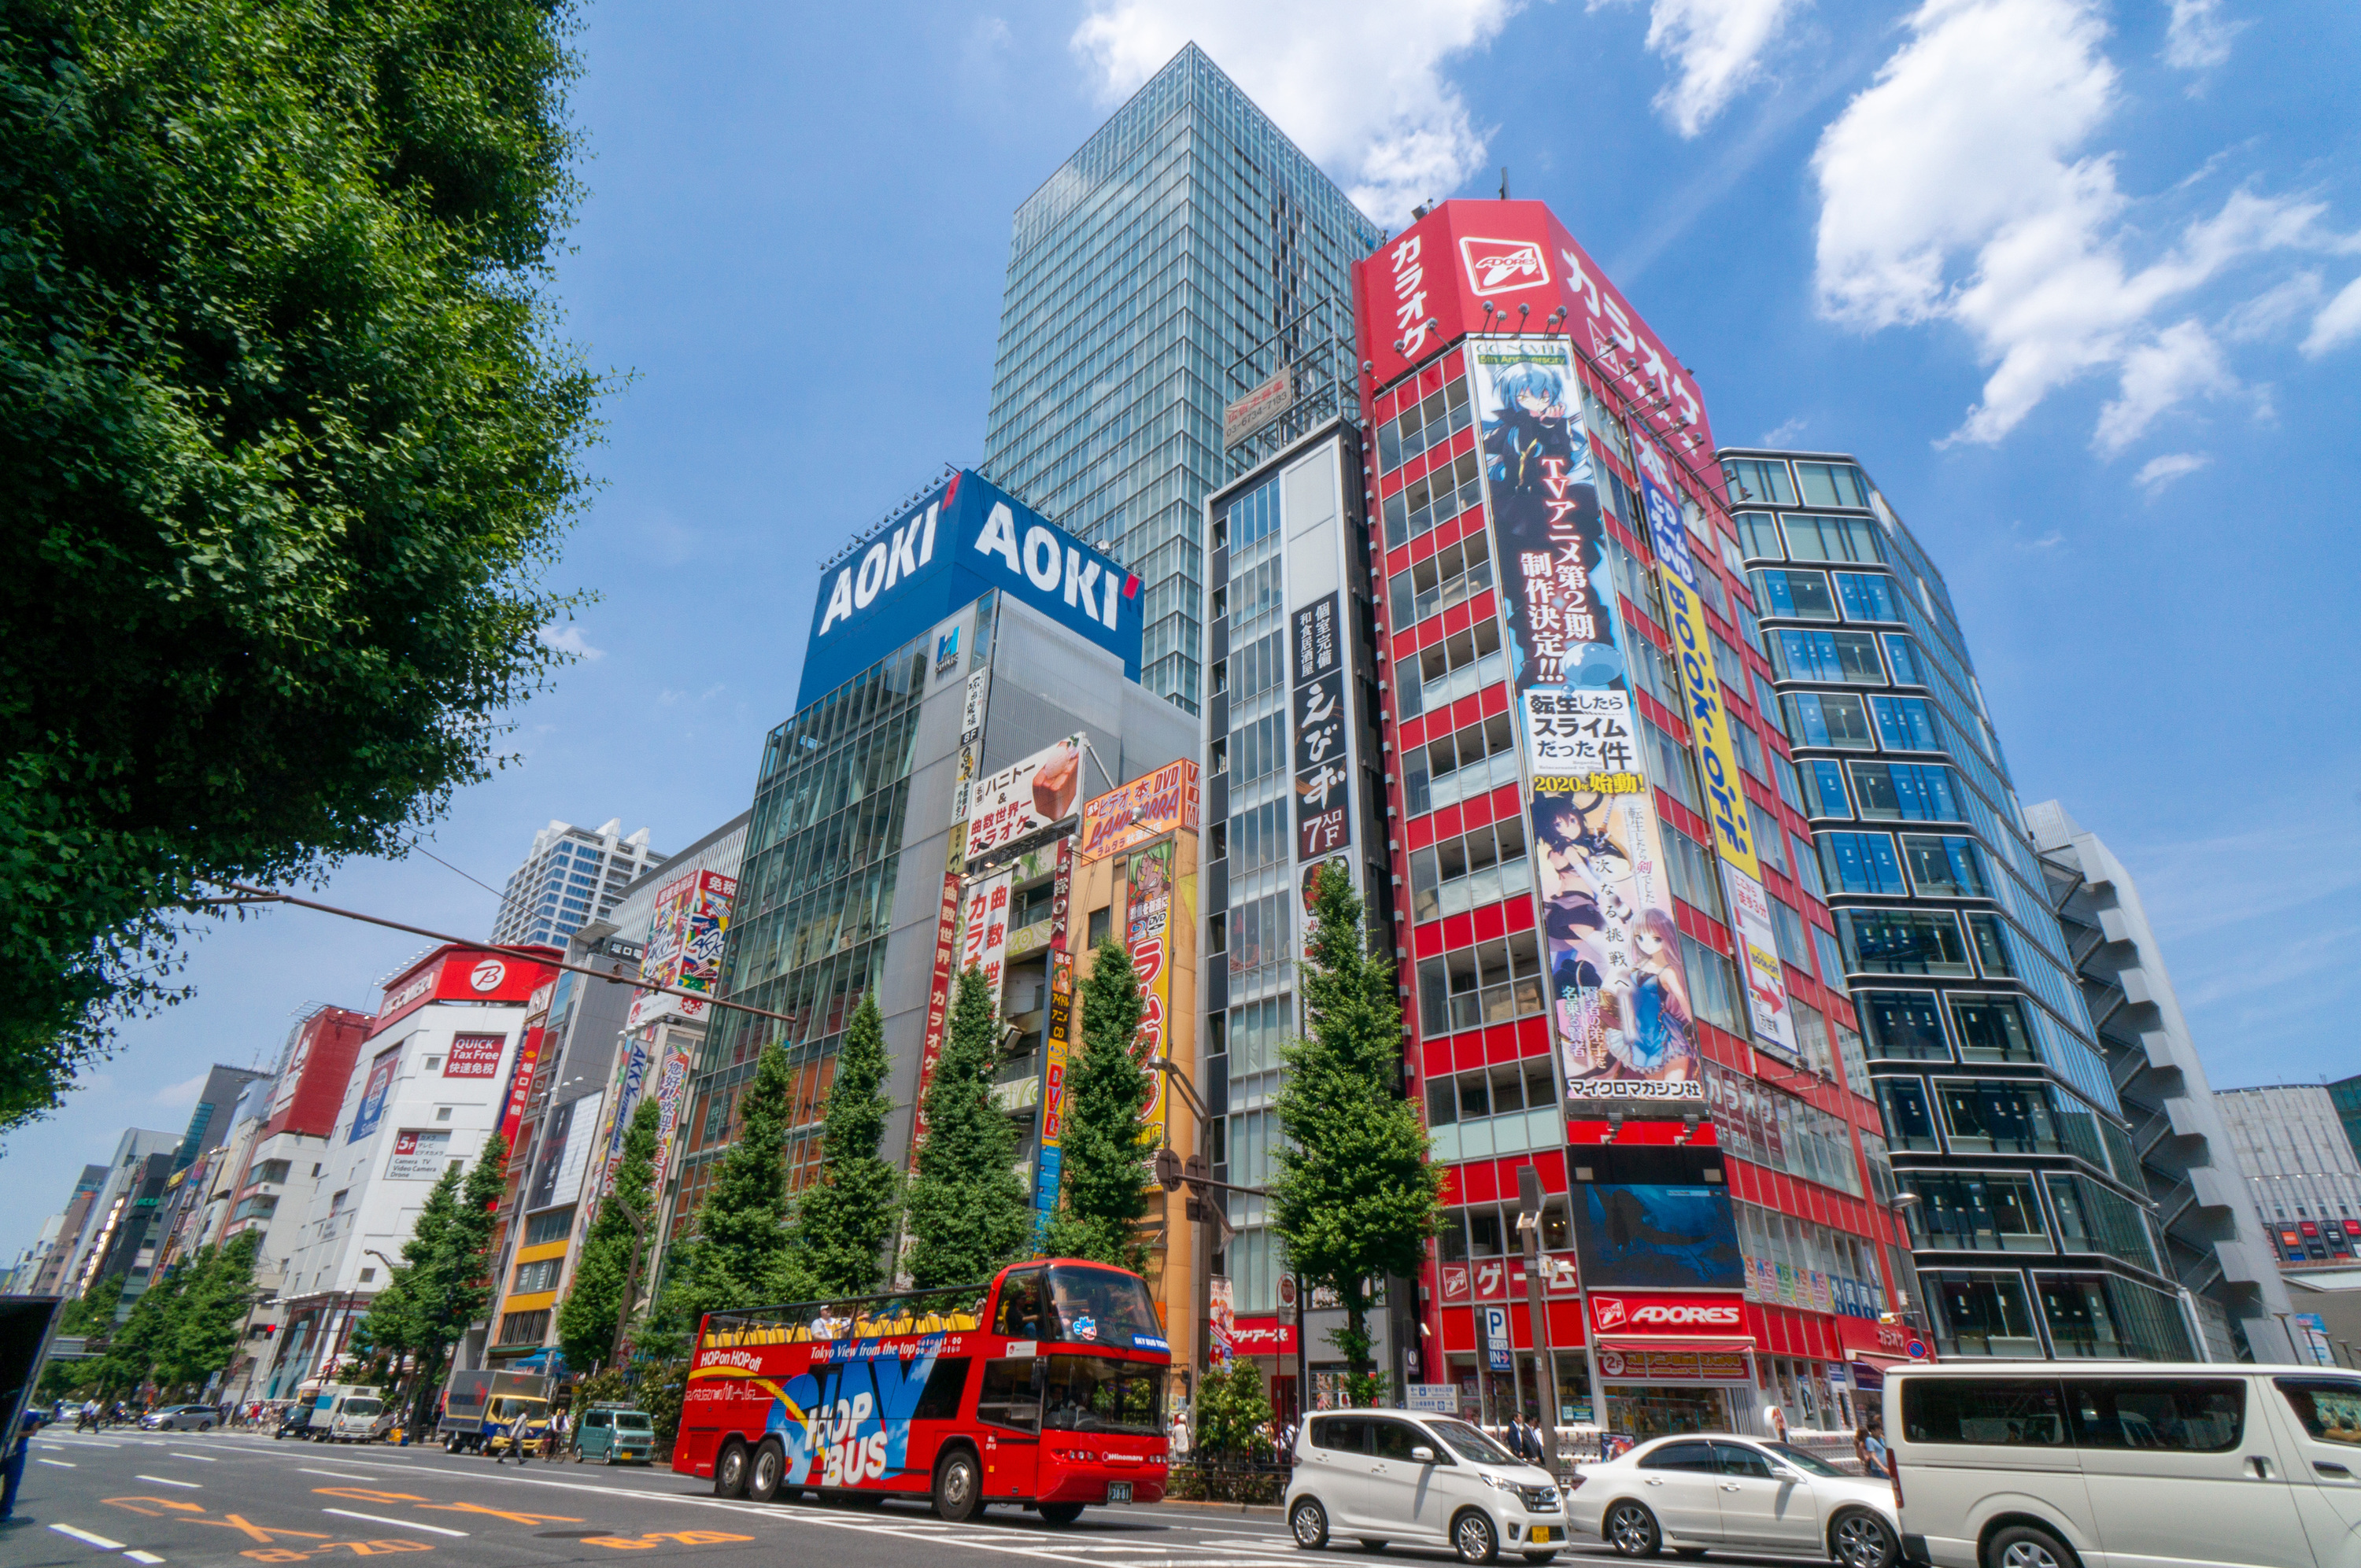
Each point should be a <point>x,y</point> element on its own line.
<point>1151,279</point>
<point>2032,1231</point>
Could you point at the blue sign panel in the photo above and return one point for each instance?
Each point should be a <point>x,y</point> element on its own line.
<point>958,543</point>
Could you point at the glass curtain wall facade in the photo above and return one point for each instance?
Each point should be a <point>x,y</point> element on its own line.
<point>815,899</point>
<point>1185,232</point>
<point>2032,1233</point>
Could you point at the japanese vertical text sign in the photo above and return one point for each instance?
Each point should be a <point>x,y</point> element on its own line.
<point>1147,932</point>
<point>1054,1050</point>
<point>1324,792</point>
<point>1619,992</point>
<point>1710,723</point>
<point>983,930</point>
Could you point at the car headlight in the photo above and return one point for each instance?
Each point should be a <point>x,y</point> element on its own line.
<point>1500,1483</point>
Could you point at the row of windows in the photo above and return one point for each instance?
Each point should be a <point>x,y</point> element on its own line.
<point>1792,1252</point>
<point>1479,867</point>
<point>1440,416</point>
<point>1808,537</point>
<point>1805,595</point>
<point>1886,792</point>
<point>1845,721</point>
<point>1452,576</point>
<point>1459,766</point>
<point>1505,1090</point>
<point>1941,865</point>
<point>1923,941</point>
<point>2001,1212</point>
<point>2097,1315</point>
<point>1908,1025</point>
<point>1251,1035</point>
<point>1767,480</point>
<point>2012,1116</point>
<point>1426,503</point>
<point>1441,673</point>
<point>1490,982</point>
<point>1781,1131</point>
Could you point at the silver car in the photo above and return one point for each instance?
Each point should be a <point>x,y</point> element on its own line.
<point>1692,1493</point>
<point>181,1418</point>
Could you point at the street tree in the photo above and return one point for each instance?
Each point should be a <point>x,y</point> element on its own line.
<point>213,1310</point>
<point>734,1250</point>
<point>1104,1174</point>
<point>288,436</point>
<point>968,1214</point>
<point>1356,1197</point>
<point>1232,1411</point>
<point>594,1320</point>
<point>443,1285</point>
<point>845,1218</point>
<point>144,1339</point>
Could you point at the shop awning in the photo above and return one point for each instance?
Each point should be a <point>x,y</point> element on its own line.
<point>1725,1344</point>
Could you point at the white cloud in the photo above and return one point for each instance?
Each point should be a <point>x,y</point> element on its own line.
<point>1783,433</point>
<point>2337,325</point>
<point>181,1094</point>
<point>1360,87</point>
<point>2274,309</point>
<point>1716,46</point>
<point>569,640</point>
<point>1959,186</point>
<point>2183,359</point>
<point>2199,35</point>
<point>2157,473</point>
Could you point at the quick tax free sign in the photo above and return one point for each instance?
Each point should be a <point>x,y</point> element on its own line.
<point>966,539</point>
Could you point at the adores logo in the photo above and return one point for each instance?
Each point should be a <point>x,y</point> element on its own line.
<point>488,975</point>
<point>1503,266</point>
<point>1614,1312</point>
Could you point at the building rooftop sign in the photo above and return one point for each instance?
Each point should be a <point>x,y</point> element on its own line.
<point>965,539</point>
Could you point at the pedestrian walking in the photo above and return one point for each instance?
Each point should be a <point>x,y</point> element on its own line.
<point>558,1427</point>
<point>12,1467</point>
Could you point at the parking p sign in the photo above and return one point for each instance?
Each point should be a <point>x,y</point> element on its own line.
<point>1495,1337</point>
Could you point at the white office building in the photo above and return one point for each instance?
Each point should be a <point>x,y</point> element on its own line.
<point>569,878</point>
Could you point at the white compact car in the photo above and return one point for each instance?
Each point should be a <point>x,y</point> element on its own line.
<point>1694,1492</point>
<point>1386,1475</point>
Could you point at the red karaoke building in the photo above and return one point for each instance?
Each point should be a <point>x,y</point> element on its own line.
<point>1616,965</point>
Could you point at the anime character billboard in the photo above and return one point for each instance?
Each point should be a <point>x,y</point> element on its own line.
<point>1618,994</point>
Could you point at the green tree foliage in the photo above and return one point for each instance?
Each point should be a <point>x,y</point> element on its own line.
<point>286,439</point>
<point>144,1342</point>
<point>844,1220</point>
<point>613,1253</point>
<point>734,1252</point>
<point>1104,1174</point>
<point>1356,1197</point>
<point>1232,1411</point>
<point>212,1312</point>
<point>968,1214</point>
<point>92,1312</point>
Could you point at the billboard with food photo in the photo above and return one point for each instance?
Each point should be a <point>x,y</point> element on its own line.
<point>1032,796</point>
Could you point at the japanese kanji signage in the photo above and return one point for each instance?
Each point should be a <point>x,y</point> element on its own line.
<point>1324,816</point>
<point>1019,803</point>
<point>983,930</point>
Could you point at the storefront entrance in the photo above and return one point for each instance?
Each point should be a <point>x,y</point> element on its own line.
<point>1647,1410</point>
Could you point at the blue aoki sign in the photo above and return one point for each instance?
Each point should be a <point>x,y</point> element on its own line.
<point>960,543</point>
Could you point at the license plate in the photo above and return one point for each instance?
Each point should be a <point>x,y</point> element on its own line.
<point>1118,1491</point>
<point>1541,1532</point>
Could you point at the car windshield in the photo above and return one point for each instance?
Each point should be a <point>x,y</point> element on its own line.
<point>1098,1393</point>
<point>1810,1464</point>
<point>1471,1444</point>
<point>1103,1306</point>
<point>630,1420</point>
<point>362,1407</point>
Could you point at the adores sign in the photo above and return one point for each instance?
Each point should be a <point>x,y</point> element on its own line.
<point>1668,1314</point>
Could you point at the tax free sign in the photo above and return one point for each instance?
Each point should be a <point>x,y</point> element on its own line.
<point>964,540</point>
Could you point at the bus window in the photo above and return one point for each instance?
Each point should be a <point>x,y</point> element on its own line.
<point>1021,1306</point>
<point>1008,1398</point>
<point>1098,1393</point>
<point>1100,1306</point>
<point>945,1384</point>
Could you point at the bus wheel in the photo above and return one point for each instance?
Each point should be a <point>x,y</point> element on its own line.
<point>1062,1513</point>
<point>959,1486</point>
<point>730,1471</point>
<point>763,1475</point>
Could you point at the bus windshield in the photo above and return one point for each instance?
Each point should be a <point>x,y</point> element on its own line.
<point>1098,1393</point>
<point>1102,1306</point>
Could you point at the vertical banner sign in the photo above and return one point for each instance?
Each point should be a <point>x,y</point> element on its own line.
<point>1618,994</point>
<point>1323,795</point>
<point>1496,1338</point>
<point>1053,1054</point>
<point>1147,932</point>
<point>371,1110</point>
<point>1717,754</point>
<point>521,1083</point>
<point>1223,1320</point>
<point>632,1061</point>
<point>983,930</point>
<point>672,1099</point>
<point>939,993</point>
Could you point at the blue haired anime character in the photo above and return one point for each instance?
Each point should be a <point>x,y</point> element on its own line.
<point>1529,426</point>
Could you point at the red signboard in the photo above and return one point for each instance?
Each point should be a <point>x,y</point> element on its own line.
<point>938,1001</point>
<point>1262,1336</point>
<point>1683,1315</point>
<point>521,1084</point>
<point>474,1056</point>
<point>1432,282</point>
<point>461,974</point>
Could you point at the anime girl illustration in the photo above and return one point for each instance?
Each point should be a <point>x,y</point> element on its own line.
<point>1659,1036</point>
<point>1528,425</point>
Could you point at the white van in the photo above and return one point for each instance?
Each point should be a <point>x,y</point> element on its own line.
<point>1387,1475</point>
<point>2129,1464</point>
<point>349,1415</point>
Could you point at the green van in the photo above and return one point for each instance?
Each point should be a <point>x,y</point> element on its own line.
<point>614,1434</point>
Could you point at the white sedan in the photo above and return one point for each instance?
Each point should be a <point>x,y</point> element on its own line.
<point>1694,1492</point>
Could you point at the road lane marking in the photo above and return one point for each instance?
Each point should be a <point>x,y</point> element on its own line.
<point>398,1524</point>
<point>168,1481</point>
<point>62,1463</point>
<point>84,1442</point>
<point>339,1474</point>
<point>98,1541</point>
<point>200,1458</point>
<point>143,1557</point>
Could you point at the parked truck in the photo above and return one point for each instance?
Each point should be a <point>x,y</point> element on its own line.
<point>494,1412</point>
<point>348,1412</point>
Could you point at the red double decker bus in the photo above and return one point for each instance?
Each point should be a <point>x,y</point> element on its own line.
<point>1044,1388</point>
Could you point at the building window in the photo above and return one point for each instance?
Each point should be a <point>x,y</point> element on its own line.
<point>1984,1212</point>
<point>1505,1089</point>
<point>532,1278</point>
<point>1832,538</point>
<point>1459,766</point>
<point>551,1225</point>
<point>1099,924</point>
<point>1990,1116</point>
<point>1909,791</point>
<point>1823,788</point>
<point>1903,1026</point>
<point>1471,871</point>
<point>1985,1314</point>
<point>1760,480</point>
<point>1691,866</point>
<point>2102,1316</point>
<point>1906,724</point>
<point>1713,995</point>
<point>1944,867</point>
<point>1992,945</point>
<point>1992,1028</point>
<point>1829,718</point>
<point>1863,862</point>
<point>1799,595</point>
<point>1902,654</point>
<point>1443,672</point>
<point>524,1328</point>
<point>1846,657</point>
<point>1903,941</point>
<point>2091,1218</point>
<point>1831,485</point>
<point>1452,576</point>
<point>1867,596</point>
<point>1909,1123</point>
<point>1491,983</point>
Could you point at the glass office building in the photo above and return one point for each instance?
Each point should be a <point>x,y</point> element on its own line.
<point>2032,1233</point>
<point>1149,280</point>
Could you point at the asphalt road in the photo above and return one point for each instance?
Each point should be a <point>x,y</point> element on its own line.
<point>229,1499</point>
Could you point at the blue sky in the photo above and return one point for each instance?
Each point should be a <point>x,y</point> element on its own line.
<point>2078,283</point>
